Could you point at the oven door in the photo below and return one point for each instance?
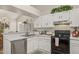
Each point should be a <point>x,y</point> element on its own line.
<point>62,47</point>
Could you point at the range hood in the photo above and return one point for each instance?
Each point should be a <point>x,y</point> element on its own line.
<point>64,22</point>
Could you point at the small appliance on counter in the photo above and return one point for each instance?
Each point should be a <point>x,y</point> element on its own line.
<point>75,33</point>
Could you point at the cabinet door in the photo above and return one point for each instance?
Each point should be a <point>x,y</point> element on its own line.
<point>74,48</point>
<point>65,15</point>
<point>74,16</point>
<point>30,45</point>
<point>45,21</point>
<point>18,46</point>
<point>56,17</point>
<point>37,23</point>
<point>47,45</point>
<point>62,16</point>
<point>35,43</point>
<point>41,43</point>
<point>50,20</point>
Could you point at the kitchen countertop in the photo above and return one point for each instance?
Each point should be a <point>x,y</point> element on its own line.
<point>74,38</point>
<point>16,36</point>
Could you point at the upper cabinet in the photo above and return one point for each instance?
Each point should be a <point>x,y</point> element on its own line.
<point>44,21</point>
<point>37,23</point>
<point>47,20</point>
<point>65,15</point>
<point>74,17</point>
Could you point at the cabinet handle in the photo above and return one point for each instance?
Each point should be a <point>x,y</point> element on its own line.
<point>60,17</point>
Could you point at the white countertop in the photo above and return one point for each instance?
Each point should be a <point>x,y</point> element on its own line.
<point>13,36</point>
<point>74,38</point>
<point>16,36</point>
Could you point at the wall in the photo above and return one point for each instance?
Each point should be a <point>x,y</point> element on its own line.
<point>11,18</point>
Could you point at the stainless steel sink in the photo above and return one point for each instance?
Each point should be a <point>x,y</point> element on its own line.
<point>29,35</point>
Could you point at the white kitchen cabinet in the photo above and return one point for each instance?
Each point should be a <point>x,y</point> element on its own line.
<point>47,20</point>
<point>50,20</point>
<point>44,21</point>
<point>41,42</point>
<point>60,16</point>
<point>14,44</point>
<point>30,45</point>
<point>74,49</point>
<point>35,43</point>
<point>65,15</point>
<point>74,17</point>
<point>57,16</point>
<point>74,46</point>
<point>37,23</point>
<point>45,44</point>
<point>38,43</point>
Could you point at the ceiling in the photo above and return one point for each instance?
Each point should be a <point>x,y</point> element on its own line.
<point>19,11</point>
<point>46,9</point>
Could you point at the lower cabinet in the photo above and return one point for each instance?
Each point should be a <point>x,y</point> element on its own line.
<point>18,46</point>
<point>41,43</point>
<point>45,44</point>
<point>30,45</point>
<point>74,46</point>
<point>38,43</point>
<point>35,43</point>
<point>27,45</point>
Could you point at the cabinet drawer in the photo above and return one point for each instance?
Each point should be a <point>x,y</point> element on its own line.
<point>74,41</point>
<point>74,49</point>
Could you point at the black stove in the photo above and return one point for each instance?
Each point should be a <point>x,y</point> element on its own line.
<point>64,42</point>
